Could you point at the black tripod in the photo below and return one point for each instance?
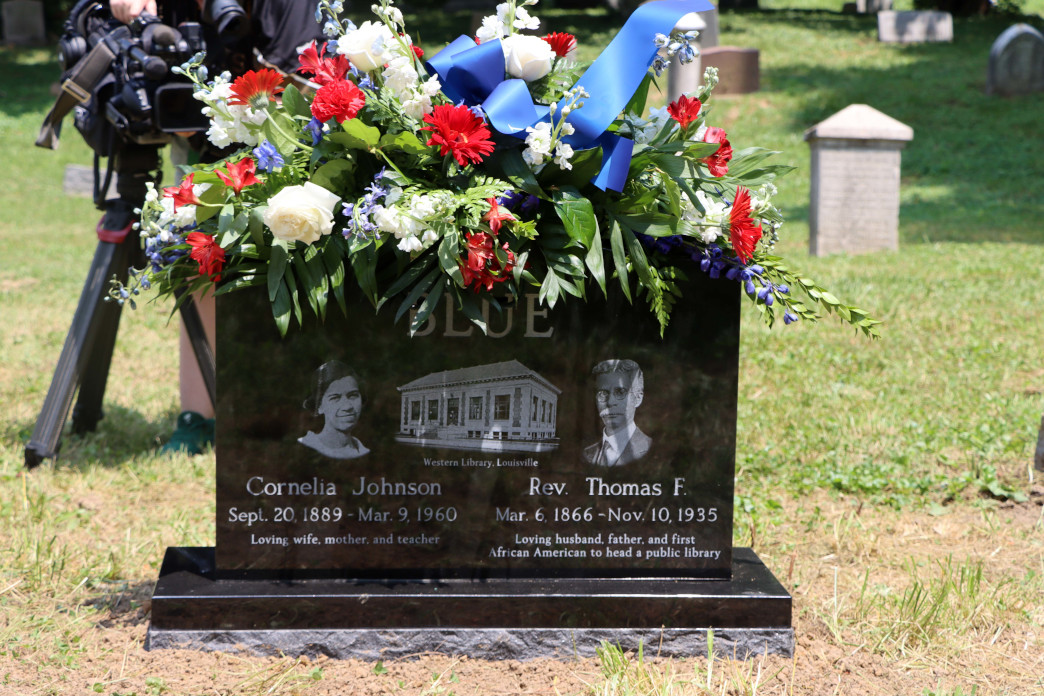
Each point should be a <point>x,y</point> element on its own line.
<point>87,353</point>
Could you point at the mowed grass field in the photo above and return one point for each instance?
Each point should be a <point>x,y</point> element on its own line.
<point>888,484</point>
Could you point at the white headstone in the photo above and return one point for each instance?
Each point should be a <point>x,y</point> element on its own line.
<point>23,22</point>
<point>1016,62</point>
<point>914,27</point>
<point>854,204</point>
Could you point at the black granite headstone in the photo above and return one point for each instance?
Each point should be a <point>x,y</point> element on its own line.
<point>572,457</point>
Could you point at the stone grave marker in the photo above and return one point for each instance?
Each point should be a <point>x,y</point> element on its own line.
<point>738,69</point>
<point>23,22</point>
<point>1016,62</point>
<point>914,26</point>
<point>872,6</point>
<point>687,78</point>
<point>856,158</point>
<point>380,494</point>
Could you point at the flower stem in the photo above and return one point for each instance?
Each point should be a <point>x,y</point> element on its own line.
<point>297,141</point>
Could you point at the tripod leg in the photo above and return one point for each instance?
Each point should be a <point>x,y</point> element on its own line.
<point>73,359</point>
<point>95,372</point>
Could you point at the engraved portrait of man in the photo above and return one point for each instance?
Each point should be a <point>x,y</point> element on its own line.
<point>619,387</point>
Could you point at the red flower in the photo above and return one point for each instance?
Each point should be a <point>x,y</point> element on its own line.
<point>685,110</point>
<point>324,70</point>
<point>256,88</point>
<point>341,100</point>
<point>486,265</point>
<point>718,163</point>
<point>240,175</point>
<point>455,129</point>
<point>182,193</point>
<point>561,43</point>
<point>495,217</point>
<point>206,252</point>
<point>742,232</point>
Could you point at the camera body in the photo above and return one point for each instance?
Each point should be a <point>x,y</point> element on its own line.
<point>139,100</point>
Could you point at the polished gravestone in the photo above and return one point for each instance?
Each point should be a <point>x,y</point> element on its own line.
<point>380,494</point>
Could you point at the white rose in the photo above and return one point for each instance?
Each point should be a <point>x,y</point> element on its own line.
<point>528,57</point>
<point>367,46</point>
<point>301,213</point>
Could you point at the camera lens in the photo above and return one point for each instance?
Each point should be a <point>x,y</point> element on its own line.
<point>226,16</point>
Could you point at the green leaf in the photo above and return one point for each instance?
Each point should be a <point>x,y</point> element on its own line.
<point>577,215</point>
<point>212,199</point>
<point>307,281</point>
<point>638,258</point>
<point>616,242</point>
<point>257,227</point>
<point>636,105</point>
<point>419,267</point>
<point>364,266</point>
<point>276,267</point>
<point>294,103</point>
<point>550,289</point>
<point>356,135</point>
<point>276,130</point>
<point>427,306</point>
<point>291,285</point>
<point>471,307</point>
<point>281,308</point>
<point>335,175</point>
<point>405,141</point>
<point>423,286</point>
<point>448,257</point>
<point>508,164</point>
<point>333,262</point>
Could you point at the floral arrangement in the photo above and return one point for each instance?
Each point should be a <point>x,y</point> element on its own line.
<point>498,165</point>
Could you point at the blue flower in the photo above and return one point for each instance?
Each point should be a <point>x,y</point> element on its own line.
<point>315,129</point>
<point>268,157</point>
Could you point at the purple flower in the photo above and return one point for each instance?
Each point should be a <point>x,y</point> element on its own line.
<point>315,129</point>
<point>268,157</point>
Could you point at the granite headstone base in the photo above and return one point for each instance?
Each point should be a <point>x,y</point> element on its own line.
<point>490,618</point>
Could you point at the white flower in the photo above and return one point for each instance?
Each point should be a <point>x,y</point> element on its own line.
<point>410,244</point>
<point>532,157</point>
<point>562,154</point>
<point>523,20</point>
<point>301,213</point>
<point>539,138</point>
<point>367,46</point>
<point>218,134</point>
<point>400,76</point>
<point>431,87</point>
<point>417,106</point>
<point>527,57</point>
<point>492,29</point>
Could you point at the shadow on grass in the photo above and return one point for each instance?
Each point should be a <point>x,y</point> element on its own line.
<point>120,436</point>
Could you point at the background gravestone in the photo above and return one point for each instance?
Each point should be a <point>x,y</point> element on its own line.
<point>856,157</point>
<point>23,22</point>
<point>479,520</point>
<point>1016,62</point>
<point>738,69</point>
<point>872,6</point>
<point>914,26</point>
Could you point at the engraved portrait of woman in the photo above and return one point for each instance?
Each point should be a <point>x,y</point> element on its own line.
<point>337,398</point>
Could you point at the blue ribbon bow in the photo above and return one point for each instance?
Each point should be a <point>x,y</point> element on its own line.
<point>474,74</point>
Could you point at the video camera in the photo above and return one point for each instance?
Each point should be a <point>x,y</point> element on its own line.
<point>119,75</point>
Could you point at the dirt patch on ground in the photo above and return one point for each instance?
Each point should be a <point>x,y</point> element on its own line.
<point>854,572</point>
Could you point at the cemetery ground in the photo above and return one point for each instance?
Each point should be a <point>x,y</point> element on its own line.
<point>888,484</point>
